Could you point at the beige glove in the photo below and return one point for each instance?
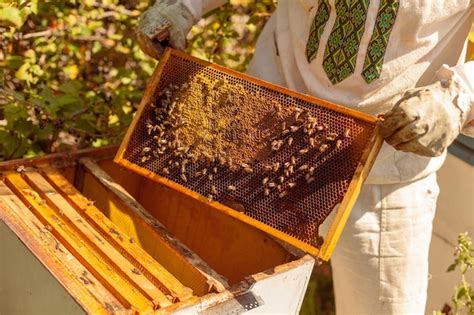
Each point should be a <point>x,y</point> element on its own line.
<point>166,18</point>
<point>425,120</point>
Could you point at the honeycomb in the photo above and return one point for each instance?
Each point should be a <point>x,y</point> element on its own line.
<point>300,210</point>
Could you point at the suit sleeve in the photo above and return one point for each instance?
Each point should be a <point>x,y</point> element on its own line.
<point>464,75</point>
<point>201,7</point>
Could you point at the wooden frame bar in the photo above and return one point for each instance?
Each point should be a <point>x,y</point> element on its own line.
<point>151,269</point>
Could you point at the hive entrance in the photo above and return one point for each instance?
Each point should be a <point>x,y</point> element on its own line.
<point>278,157</point>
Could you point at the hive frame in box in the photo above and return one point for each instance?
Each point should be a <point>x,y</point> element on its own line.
<point>344,208</point>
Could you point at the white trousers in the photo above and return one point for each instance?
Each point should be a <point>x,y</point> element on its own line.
<point>380,264</point>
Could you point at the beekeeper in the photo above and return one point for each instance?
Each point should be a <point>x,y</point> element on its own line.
<point>404,59</point>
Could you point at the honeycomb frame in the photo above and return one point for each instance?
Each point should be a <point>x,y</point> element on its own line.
<point>296,218</point>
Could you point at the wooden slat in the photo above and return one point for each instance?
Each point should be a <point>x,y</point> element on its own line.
<point>141,260</point>
<point>88,292</point>
<point>83,249</point>
<point>129,206</point>
<point>101,243</point>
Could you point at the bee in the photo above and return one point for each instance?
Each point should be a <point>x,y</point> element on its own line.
<point>303,167</point>
<point>291,185</point>
<point>339,143</point>
<point>266,191</point>
<point>283,194</point>
<point>276,145</point>
<point>271,184</point>
<point>214,169</point>
<point>268,168</point>
<point>293,160</point>
<point>265,180</point>
<point>323,148</point>
<point>303,151</point>
<point>290,141</point>
<point>294,128</point>
<point>312,142</point>
<point>248,170</point>
<point>146,149</point>
<point>204,172</point>
<point>231,188</point>
<point>276,166</point>
<point>310,180</point>
<point>145,158</point>
<point>245,165</point>
<point>291,169</point>
<point>184,178</point>
<point>214,190</point>
<point>210,177</point>
<point>297,115</point>
<point>347,133</point>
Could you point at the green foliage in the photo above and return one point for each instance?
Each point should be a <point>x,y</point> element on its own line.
<point>464,261</point>
<point>71,73</point>
<point>228,34</point>
<point>319,297</point>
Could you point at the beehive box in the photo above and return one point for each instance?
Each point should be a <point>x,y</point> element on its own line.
<point>79,234</point>
<point>273,158</point>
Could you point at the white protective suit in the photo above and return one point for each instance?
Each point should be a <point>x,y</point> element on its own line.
<point>380,264</point>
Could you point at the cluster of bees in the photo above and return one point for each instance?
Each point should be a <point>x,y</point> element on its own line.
<point>304,135</point>
<point>312,138</point>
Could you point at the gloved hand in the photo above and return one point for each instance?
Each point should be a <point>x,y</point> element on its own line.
<point>425,120</point>
<point>165,16</point>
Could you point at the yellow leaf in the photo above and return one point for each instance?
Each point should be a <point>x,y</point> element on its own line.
<point>113,119</point>
<point>23,73</point>
<point>71,71</point>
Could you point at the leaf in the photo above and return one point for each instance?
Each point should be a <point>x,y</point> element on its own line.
<point>71,71</point>
<point>451,268</point>
<point>461,293</point>
<point>71,87</point>
<point>24,73</point>
<point>12,16</point>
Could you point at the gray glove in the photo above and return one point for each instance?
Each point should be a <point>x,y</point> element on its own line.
<point>170,19</point>
<point>425,120</point>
